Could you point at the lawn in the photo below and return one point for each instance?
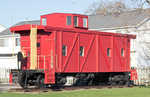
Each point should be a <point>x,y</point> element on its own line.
<point>115,92</point>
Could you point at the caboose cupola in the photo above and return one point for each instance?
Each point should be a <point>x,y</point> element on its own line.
<point>65,20</point>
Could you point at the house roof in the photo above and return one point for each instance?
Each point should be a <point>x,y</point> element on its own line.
<point>7,31</point>
<point>129,18</point>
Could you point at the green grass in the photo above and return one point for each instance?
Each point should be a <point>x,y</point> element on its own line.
<point>115,92</point>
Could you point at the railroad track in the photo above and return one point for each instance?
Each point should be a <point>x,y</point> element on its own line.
<point>67,88</point>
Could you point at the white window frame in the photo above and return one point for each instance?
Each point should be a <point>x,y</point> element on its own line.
<point>85,24</point>
<point>122,52</point>
<point>67,20</point>
<point>82,51</point>
<point>65,50</point>
<point>17,40</point>
<point>109,52</point>
<point>77,25</point>
<point>44,21</point>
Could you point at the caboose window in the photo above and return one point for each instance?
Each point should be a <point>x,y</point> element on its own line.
<point>64,50</point>
<point>122,52</point>
<point>38,44</point>
<point>81,51</point>
<point>85,22</point>
<point>68,20</point>
<point>75,20</point>
<point>108,51</point>
<point>44,21</point>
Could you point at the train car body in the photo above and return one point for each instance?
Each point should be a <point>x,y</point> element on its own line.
<point>63,49</point>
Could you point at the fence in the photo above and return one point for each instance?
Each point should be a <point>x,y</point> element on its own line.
<point>142,72</point>
<point>143,76</point>
<point>4,75</point>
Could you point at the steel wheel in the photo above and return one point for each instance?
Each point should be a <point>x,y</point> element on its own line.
<point>22,79</point>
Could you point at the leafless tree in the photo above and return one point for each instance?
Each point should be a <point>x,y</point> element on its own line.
<point>140,3</point>
<point>92,8</point>
<point>116,6</point>
<point>107,7</point>
<point>148,1</point>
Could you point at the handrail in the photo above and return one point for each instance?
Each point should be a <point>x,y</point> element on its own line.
<point>41,58</point>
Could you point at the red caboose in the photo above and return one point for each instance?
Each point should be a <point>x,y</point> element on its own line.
<point>62,51</point>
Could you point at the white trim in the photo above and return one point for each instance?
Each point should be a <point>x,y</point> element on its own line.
<point>114,28</point>
<point>9,36</point>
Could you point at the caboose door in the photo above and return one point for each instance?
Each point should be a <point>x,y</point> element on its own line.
<point>47,56</point>
<point>39,52</point>
<point>106,53</point>
<point>121,54</point>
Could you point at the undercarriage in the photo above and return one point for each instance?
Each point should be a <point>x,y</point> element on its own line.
<point>36,78</point>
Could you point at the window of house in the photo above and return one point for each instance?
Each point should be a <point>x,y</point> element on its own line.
<point>85,22</point>
<point>122,52</point>
<point>4,43</point>
<point>44,21</point>
<point>108,51</point>
<point>68,20</point>
<point>17,41</point>
<point>81,51</point>
<point>64,50</point>
<point>75,20</point>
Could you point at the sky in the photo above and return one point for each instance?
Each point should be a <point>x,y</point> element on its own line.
<point>13,11</point>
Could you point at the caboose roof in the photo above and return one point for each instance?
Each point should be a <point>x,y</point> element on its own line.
<point>21,28</point>
<point>64,14</point>
<point>8,32</point>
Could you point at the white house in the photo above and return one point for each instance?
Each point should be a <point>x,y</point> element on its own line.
<point>2,28</point>
<point>135,22</point>
<point>9,47</point>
